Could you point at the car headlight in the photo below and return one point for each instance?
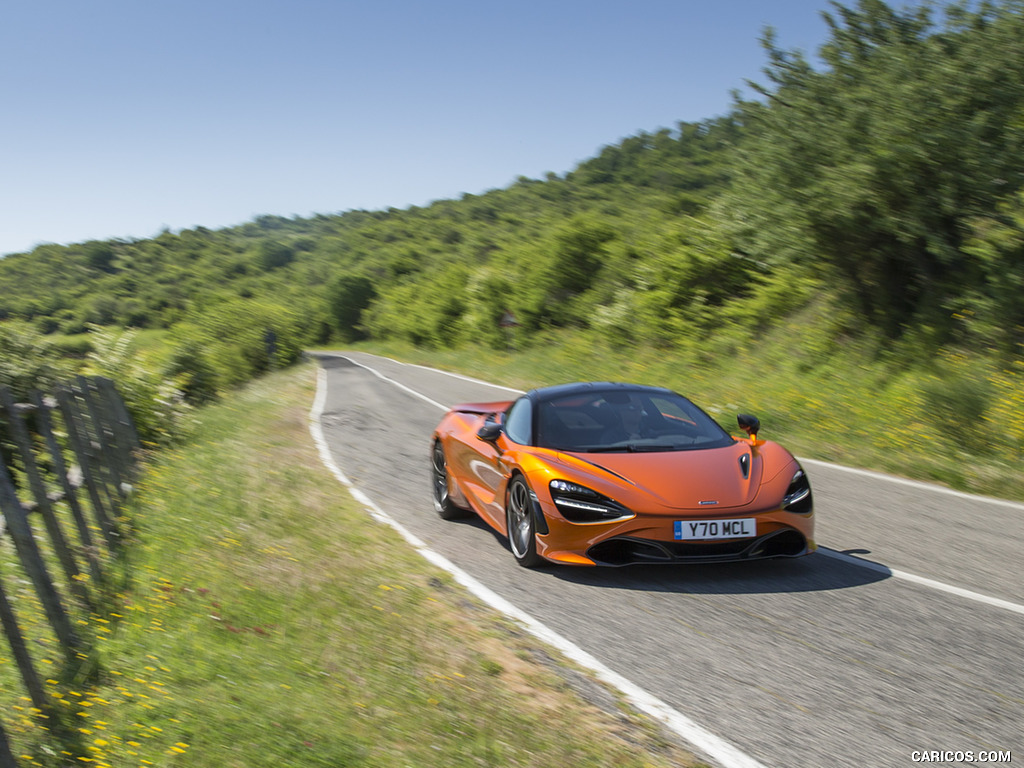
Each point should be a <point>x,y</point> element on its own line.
<point>798,496</point>
<point>579,504</point>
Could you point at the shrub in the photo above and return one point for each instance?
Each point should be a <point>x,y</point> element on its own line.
<point>29,360</point>
<point>156,404</point>
<point>194,374</point>
<point>238,339</point>
<point>957,405</point>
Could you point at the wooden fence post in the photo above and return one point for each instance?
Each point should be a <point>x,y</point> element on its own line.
<point>123,418</point>
<point>117,456</point>
<point>32,561</point>
<point>6,756</point>
<point>124,439</point>
<point>82,453</point>
<point>107,468</point>
<point>45,425</point>
<point>35,480</point>
<point>19,649</point>
<point>91,425</point>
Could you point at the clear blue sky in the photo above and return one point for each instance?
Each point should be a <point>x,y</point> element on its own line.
<point>122,117</point>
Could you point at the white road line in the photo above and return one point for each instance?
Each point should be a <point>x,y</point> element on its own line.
<point>455,376</point>
<point>702,740</point>
<point>916,484</point>
<point>924,581</point>
<point>905,575</point>
<point>398,384</point>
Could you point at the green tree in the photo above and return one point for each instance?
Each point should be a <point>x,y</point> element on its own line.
<point>348,297</point>
<point>877,164</point>
<point>993,308</point>
<point>274,254</point>
<point>100,256</point>
<point>575,258</point>
<point>430,313</point>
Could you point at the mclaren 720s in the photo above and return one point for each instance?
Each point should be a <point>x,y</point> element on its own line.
<point>617,474</point>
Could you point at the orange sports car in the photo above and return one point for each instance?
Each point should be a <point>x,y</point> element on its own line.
<point>616,474</point>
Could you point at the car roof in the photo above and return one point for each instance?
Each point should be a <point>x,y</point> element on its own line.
<point>586,387</point>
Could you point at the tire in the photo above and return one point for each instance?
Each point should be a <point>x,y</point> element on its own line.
<point>522,527</point>
<point>439,485</point>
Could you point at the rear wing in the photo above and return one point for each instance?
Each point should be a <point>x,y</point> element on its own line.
<point>481,409</point>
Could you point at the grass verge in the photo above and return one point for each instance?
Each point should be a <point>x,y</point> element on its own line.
<point>266,620</point>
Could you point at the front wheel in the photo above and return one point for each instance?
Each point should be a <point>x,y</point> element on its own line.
<point>522,527</point>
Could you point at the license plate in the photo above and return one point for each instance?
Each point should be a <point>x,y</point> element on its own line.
<point>702,530</point>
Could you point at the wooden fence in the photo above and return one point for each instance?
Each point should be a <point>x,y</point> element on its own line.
<point>67,462</point>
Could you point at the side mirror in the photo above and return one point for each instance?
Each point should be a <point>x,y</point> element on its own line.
<point>489,431</point>
<point>749,424</point>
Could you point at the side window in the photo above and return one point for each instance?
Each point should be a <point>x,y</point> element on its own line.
<point>519,420</point>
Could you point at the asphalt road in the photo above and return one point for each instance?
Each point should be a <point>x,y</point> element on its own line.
<point>812,662</point>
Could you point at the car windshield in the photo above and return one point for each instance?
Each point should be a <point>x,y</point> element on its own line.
<point>625,420</point>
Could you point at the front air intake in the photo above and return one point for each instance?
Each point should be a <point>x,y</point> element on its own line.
<point>628,551</point>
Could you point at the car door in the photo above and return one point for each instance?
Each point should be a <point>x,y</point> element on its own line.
<point>477,463</point>
<point>491,476</point>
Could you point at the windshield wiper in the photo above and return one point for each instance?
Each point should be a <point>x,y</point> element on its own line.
<point>628,448</point>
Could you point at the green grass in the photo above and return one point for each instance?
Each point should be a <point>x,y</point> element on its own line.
<point>266,620</point>
<point>955,420</point>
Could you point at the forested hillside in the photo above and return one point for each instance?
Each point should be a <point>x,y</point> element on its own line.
<point>870,200</point>
<point>555,252</point>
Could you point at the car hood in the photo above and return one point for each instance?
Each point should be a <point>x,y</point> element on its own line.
<point>708,479</point>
